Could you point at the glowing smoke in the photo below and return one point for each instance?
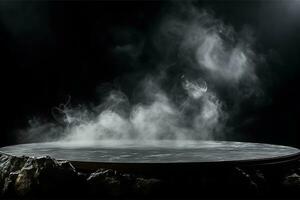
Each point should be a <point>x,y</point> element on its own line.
<point>208,56</point>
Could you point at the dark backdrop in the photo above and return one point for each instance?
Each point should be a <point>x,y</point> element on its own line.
<point>50,50</point>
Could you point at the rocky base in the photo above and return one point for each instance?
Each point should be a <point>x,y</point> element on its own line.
<point>48,178</point>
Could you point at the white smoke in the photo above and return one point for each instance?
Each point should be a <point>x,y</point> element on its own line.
<point>195,89</point>
<point>158,120</point>
<point>210,55</point>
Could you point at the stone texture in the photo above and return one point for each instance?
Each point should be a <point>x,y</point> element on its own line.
<point>292,183</point>
<point>25,177</point>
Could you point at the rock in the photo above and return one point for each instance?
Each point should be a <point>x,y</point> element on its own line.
<point>105,183</point>
<point>240,183</point>
<point>292,182</point>
<point>26,177</point>
<point>147,187</point>
<point>44,176</point>
<point>110,183</point>
<point>261,184</point>
<point>9,164</point>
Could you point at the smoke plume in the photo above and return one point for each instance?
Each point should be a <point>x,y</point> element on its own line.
<point>199,71</point>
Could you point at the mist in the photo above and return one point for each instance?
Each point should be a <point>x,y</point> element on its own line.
<point>200,71</point>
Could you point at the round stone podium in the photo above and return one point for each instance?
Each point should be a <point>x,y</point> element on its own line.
<point>155,155</point>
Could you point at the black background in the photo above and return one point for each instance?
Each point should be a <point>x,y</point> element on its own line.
<point>50,50</point>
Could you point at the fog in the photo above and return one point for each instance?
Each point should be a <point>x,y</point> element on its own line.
<point>203,70</point>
